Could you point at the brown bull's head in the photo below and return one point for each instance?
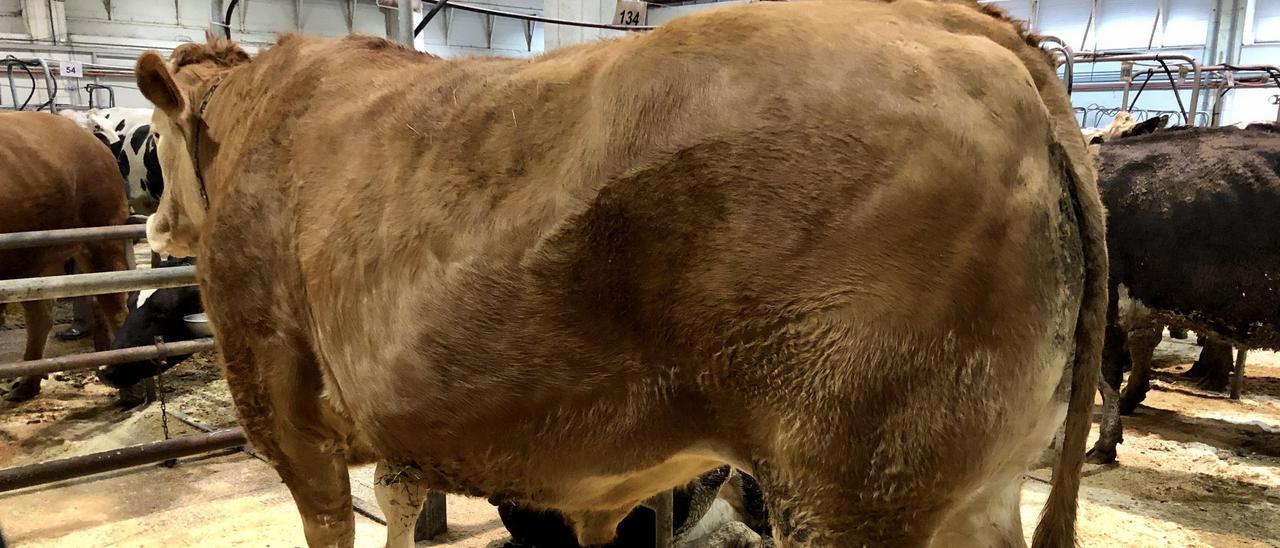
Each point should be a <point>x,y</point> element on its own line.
<point>180,89</point>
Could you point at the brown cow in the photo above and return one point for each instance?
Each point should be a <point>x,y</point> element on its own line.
<point>853,247</point>
<point>53,175</point>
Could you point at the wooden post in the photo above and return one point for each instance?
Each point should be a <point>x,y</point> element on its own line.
<point>663,520</point>
<point>1237,380</point>
<point>433,521</point>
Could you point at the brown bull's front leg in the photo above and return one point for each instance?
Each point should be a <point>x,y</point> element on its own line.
<point>277,390</point>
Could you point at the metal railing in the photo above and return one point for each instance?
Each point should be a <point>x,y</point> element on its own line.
<point>75,285</point>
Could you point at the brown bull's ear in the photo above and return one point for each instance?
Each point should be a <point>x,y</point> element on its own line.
<point>157,84</point>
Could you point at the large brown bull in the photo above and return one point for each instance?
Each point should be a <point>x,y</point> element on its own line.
<point>53,175</point>
<point>852,247</point>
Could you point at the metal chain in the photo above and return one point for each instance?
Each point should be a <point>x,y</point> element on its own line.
<point>164,410</point>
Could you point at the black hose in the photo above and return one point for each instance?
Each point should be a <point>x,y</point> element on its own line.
<point>1150,73</point>
<point>226,21</point>
<point>440,4</point>
<point>1176,94</point>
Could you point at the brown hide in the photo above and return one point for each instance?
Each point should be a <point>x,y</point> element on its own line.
<point>850,246</point>
<point>55,175</point>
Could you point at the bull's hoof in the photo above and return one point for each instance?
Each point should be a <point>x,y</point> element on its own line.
<point>1213,384</point>
<point>73,333</point>
<point>134,396</point>
<point>1178,333</point>
<point>735,534</point>
<point>22,389</point>
<point>1129,405</point>
<point>1101,455</point>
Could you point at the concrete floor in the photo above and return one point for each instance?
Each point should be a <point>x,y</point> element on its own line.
<point>222,501</point>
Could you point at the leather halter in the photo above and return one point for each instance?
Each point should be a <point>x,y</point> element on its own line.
<point>195,140</point>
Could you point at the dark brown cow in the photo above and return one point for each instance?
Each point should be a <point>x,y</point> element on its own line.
<point>854,248</point>
<point>55,175</point>
<point>1193,217</point>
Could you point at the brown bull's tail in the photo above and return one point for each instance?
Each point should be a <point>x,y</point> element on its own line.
<point>1057,523</point>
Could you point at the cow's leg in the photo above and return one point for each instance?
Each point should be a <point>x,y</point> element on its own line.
<point>1237,378</point>
<point>1211,354</point>
<point>278,392</point>
<point>1142,345</point>
<point>1110,432</point>
<point>400,492</point>
<point>991,517</point>
<point>39,319</point>
<point>1213,365</point>
<point>109,310</point>
<point>816,502</point>
<point>598,526</point>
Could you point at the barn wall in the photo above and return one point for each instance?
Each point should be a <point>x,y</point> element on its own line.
<point>94,36</point>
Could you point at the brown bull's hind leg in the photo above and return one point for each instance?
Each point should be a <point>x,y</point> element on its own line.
<point>39,323</point>
<point>1142,345</point>
<point>990,517</point>
<point>400,492</point>
<point>813,506</point>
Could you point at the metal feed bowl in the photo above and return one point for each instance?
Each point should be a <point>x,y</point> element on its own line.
<point>198,324</point>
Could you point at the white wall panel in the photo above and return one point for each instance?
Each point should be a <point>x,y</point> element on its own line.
<point>1066,19</point>
<point>1187,23</point>
<point>1126,24</point>
<point>11,18</point>
<point>1266,20</point>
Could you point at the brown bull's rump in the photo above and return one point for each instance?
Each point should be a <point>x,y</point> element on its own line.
<point>852,247</point>
<point>55,175</point>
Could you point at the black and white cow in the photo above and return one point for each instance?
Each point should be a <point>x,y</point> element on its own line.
<point>127,132</point>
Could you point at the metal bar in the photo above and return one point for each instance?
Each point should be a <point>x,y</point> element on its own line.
<point>663,506</point>
<point>215,18</point>
<point>79,285</point>
<point>1237,377</point>
<point>432,520</point>
<point>13,86</point>
<point>90,360</point>
<point>116,459</point>
<point>406,22</point>
<point>43,238</point>
<point>48,76</point>
<point>521,16</point>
